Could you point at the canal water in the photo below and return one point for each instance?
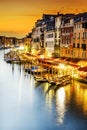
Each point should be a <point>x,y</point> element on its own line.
<point>27,105</point>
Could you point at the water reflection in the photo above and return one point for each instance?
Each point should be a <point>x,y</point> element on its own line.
<point>28,105</point>
<point>13,68</point>
<point>80,91</point>
<point>66,98</point>
<point>85,102</point>
<point>60,104</point>
<point>20,87</point>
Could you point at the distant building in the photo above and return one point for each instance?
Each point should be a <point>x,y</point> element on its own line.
<point>2,41</point>
<point>27,42</point>
<point>8,42</point>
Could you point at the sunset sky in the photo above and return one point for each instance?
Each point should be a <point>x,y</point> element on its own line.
<point>17,17</point>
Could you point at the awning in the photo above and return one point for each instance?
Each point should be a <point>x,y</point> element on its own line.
<point>83,69</point>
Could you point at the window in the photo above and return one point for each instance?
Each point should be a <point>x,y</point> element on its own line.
<point>84,54</point>
<point>55,35</point>
<point>65,51</point>
<point>78,25</point>
<point>50,35</point>
<point>78,45</point>
<point>74,35</point>
<point>46,44</point>
<point>68,51</point>
<point>84,35</point>
<point>78,35</point>
<point>84,46</point>
<point>84,25</point>
<point>73,45</point>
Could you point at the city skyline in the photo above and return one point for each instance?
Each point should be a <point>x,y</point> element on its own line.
<point>19,17</point>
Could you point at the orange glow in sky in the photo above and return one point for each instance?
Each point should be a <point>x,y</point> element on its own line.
<point>17,17</point>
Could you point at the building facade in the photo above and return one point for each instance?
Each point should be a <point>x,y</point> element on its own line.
<point>49,41</point>
<point>42,27</point>
<point>65,35</point>
<point>66,38</point>
<point>80,39</point>
<point>58,21</point>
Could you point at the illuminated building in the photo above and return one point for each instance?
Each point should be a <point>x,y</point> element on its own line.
<point>50,41</point>
<point>41,27</point>
<point>2,41</point>
<point>27,42</point>
<point>66,35</point>
<point>80,37</point>
<point>58,20</point>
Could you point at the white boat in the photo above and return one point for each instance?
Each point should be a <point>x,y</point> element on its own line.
<point>40,78</point>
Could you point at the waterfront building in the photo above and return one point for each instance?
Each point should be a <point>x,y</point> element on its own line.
<point>49,41</point>
<point>58,21</point>
<point>2,41</point>
<point>49,35</point>
<point>41,27</point>
<point>66,38</point>
<point>36,34</point>
<point>64,35</point>
<point>8,42</point>
<point>27,43</point>
<point>80,36</point>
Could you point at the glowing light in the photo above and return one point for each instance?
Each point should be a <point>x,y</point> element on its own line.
<point>41,56</point>
<point>21,48</point>
<point>33,51</point>
<point>49,97</point>
<point>49,55</point>
<point>61,66</point>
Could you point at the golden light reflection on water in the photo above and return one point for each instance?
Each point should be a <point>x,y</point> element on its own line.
<point>78,94</point>
<point>68,91</point>
<point>46,86</point>
<point>64,96</point>
<point>85,102</point>
<point>49,96</point>
<point>81,96</point>
<point>60,104</point>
